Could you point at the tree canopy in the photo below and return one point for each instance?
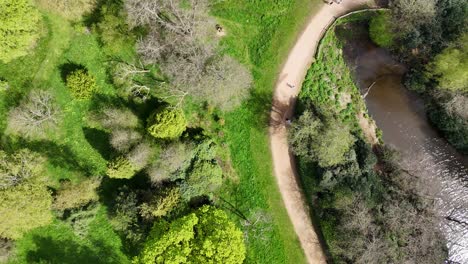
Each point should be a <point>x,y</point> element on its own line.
<point>380,30</point>
<point>25,202</point>
<point>204,236</point>
<point>314,140</point>
<point>19,22</point>
<point>450,67</point>
<point>167,123</point>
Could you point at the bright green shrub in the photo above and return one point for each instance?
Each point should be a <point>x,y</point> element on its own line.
<point>81,84</point>
<point>19,22</point>
<point>121,168</point>
<point>205,236</point>
<point>167,123</point>
<point>380,30</point>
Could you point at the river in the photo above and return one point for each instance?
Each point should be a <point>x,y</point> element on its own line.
<point>401,116</point>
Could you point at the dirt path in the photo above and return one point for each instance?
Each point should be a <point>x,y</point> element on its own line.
<point>284,99</point>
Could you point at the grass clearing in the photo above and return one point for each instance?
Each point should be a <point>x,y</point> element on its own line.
<point>260,35</point>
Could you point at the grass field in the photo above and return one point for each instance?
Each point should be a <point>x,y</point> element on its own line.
<point>260,35</point>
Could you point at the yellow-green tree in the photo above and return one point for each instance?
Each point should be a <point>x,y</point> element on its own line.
<point>25,201</point>
<point>76,195</point>
<point>19,22</point>
<point>81,84</point>
<point>121,168</point>
<point>450,67</point>
<point>204,236</point>
<point>167,123</point>
<point>161,205</point>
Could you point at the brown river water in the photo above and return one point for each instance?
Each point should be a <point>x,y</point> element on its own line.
<point>401,116</point>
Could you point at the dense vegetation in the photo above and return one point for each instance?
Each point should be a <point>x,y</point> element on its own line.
<point>368,208</point>
<point>430,38</point>
<point>118,122</point>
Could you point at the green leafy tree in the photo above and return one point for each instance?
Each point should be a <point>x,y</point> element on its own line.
<point>160,205</point>
<point>24,207</point>
<point>380,30</point>
<point>25,201</point>
<point>450,67</point>
<point>76,195</point>
<point>19,22</point>
<point>121,168</point>
<point>204,178</point>
<point>113,28</point>
<point>166,123</point>
<point>205,236</point>
<point>81,84</point>
<point>327,143</point>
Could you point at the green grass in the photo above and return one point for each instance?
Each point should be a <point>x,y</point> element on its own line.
<point>260,34</point>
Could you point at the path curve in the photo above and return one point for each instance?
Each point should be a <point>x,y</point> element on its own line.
<point>284,99</point>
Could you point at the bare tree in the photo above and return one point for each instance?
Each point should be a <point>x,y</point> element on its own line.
<point>18,167</point>
<point>125,72</point>
<point>36,114</point>
<point>182,40</point>
<point>226,83</point>
<point>257,225</point>
<point>408,14</point>
<point>123,139</point>
<point>458,106</point>
<point>186,66</point>
<point>172,161</point>
<point>112,118</point>
<point>139,156</point>
<point>170,14</point>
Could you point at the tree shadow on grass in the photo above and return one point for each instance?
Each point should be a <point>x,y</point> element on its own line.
<point>58,155</point>
<point>69,67</point>
<point>49,250</point>
<point>99,140</point>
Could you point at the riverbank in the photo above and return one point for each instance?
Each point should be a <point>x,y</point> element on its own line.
<point>350,190</point>
<point>401,115</point>
<point>286,91</point>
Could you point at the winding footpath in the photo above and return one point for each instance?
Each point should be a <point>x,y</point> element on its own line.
<point>287,88</point>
